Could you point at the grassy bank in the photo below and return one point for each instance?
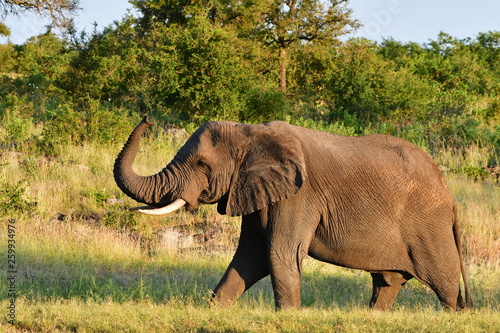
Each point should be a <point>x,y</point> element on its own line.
<point>84,263</point>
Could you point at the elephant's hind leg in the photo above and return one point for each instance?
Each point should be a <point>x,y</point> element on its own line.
<point>386,286</point>
<point>449,294</point>
<point>439,269</point>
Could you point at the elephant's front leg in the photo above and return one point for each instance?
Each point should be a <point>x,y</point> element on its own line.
<point>285,268</point>
<point>248,266</point>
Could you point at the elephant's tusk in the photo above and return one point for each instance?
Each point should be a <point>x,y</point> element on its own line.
<point>152,210</point>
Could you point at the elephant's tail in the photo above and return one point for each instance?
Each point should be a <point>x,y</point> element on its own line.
<point>468,298</point>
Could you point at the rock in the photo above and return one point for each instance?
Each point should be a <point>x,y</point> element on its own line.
<point>115,201</point>
<point>174,240</point>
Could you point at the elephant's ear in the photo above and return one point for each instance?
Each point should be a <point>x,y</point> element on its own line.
<point>272,169</point>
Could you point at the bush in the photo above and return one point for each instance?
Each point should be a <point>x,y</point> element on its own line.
<point>99,124</point>
<point>18,128</point>
<point>65,127</point>
<point>120,218</point>
<point>475,173</point>
<point>13,198</point>
<point>264,105</point>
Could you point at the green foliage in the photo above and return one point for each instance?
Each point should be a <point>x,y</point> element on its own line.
<point>474,172</point>
<point>264,105</point>
<point>17,128</point>
<point>98,124</point>
<point>45,54</point>
<point>4,30</point>
<point>190,62</point>
<point>356,81</point>
<point>97,196</point>
<point>107,67</point>
<point>193,72</point>
<point>6,57</point>
<point>13,198</point>
<point>213,76</point>
<point>119,218</point>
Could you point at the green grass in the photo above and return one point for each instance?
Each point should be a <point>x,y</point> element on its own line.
<point>86,264</point>
<point>173,316</point>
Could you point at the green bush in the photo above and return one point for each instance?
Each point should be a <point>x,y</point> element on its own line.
<point>18,128</point>
<point>120,218</point>
<point>64,128</point>
<point>98,124</point>
<point>474,172</point>
<point>264,105</point>
<point>13,198</point>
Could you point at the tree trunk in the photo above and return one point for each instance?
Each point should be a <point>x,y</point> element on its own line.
<point>282,61</point>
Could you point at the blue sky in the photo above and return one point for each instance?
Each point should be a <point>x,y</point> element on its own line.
<point>422,20</point>
<point>404,20</point>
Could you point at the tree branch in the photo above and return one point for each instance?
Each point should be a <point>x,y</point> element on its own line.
<point>59,11</point>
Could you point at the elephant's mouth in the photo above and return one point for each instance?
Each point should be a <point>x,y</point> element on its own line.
<point>154,210</point>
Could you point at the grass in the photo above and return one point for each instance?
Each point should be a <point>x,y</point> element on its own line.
<point>85,264</point>
<point>81,316</point>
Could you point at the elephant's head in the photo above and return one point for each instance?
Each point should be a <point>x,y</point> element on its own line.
<point>242,167</point>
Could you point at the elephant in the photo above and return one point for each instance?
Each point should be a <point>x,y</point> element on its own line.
<point>375,203</point>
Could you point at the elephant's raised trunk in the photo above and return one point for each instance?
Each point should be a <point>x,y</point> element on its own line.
<point>139,188</point>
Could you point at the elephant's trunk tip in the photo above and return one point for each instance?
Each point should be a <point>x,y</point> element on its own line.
<point>146,121</point>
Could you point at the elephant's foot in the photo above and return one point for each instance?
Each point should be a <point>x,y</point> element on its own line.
<point>224,298</point>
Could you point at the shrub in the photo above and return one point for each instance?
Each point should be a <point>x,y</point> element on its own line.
<point>98,124</point>
<point>263,105</point>
<point>65,127</point>
<point>474,172</point>
<point>120,218</point>
<point>13,198</point>
<point>17,128</point>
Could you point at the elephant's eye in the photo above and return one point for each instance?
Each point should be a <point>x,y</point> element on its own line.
<point>202,164</point>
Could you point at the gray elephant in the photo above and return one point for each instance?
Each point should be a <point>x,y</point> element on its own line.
<point>375,203</point>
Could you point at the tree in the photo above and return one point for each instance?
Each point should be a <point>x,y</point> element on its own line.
<point>278,24</point>
<point>59,11</point>
<point>4,30</point>
<point>290,22</point>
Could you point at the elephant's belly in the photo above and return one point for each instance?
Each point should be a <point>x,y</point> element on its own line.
<point>320,251</point>
<point>357,256</point>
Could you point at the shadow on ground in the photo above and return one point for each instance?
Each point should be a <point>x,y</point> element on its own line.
<point>190,278</point>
